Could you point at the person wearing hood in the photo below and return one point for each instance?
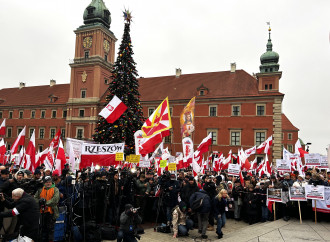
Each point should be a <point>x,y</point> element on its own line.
<point>48,198</point>
<point>181,224</point>
<point>17,182</point>
<point>129,219</point>
<point>188,190</point>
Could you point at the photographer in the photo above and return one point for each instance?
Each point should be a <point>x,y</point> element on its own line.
<point>286,184</point>
<point>129,219</point>
<point>23,206</point>
<point>48,198</point>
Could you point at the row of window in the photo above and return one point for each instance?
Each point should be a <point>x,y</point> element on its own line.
<point>235,111</point>
<point>235,137</point>
<point>289,136</point>
<point>33,114</point>
<point>42,114</point>
<point>40,134</point>
<point>87,55</point>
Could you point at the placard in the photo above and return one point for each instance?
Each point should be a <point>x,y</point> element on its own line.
<point>312,159</point>
<point>172,166</point>
<point>234,169</point>
<point>274,195</point>
<point>283,165</point>
<point>119,156</point>
<point>144,161</point>
<point>314,192</point>
<point>163,163</point>
<point>323,206</point>
<point>134,158</point>
<point>324,162</point>
<point>297,194</point>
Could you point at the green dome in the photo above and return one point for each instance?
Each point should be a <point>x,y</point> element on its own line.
<point>97,13</point>
<point>269,59</point>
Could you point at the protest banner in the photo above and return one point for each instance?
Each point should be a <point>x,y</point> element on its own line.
<point>297,194</point>
<point>144,161</point>
<point>314,192</point>
<point>274,195</point>
<point>312,159</point>
<point>234,169</point>
<point>120,156</point>
<point>283,165</point>
<point>163,163</point>
<point>100,154</point>
<point>323,206</point>
<point>172,166</point>
<point>324,162</point>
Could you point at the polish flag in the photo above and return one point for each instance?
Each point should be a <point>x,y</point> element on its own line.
<point>241,178</point>
<point>156,127</point>
<point>54,142</point>
<point>30,157</point>
<point>226,162</point>
<point>264,147</point>
<point>251,151</point>
<point>72,158</point>
<point>2,147</point>
<point>19,141</point>
<point>299,150</point>
<point>60,158</point>
<point>113,110</point>
<point>195,163</point>
<point>244,162</point>
<point>253,164</point>
<point>41,157</point>
<point>3,127</point>
<point>49,159</point>
<point>204,145</point>
<point>21,155</point>
<point>188,151</point>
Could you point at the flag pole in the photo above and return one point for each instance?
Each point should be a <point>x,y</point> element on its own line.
<point>300,212</point>
<point>274,208</point>
<point>315,211</point>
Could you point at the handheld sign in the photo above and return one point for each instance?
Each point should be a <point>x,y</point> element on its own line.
<point>314,192</point>
<point>312,159</point>
<point>135,159</point>
<point>283,165</point>
<point>234,170</point>
<point>297,194</point>
<point>119,156</point>
<point>274,195</point>
<point>172,167</point>
<point>163,163</point>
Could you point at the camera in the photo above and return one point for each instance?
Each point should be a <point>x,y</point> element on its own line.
<point>42,202</point>
<point>134,210</point>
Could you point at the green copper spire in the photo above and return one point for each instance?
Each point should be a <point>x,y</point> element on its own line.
<point>269,59</point>
<point>97,13</point>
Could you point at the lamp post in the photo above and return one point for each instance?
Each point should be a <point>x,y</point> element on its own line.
<point>307,146</point>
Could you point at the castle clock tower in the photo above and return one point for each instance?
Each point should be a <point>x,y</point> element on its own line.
<point>90,70</point>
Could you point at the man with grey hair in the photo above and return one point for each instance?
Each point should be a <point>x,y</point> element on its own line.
<point>26,209</point>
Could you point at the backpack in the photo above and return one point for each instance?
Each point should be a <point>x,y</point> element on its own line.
<point>197,203</point>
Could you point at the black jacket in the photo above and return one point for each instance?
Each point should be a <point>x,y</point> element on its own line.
<point>187,191</point>
<point>27,210</point>
<point>206,205</point>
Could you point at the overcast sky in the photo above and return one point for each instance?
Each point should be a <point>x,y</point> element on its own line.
<point>37,43</point>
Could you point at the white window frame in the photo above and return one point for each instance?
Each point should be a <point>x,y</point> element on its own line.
<point>240,137</point>
<point>83,132</point>
<point>216,110</point>
<point>260,105</point>
<point>232,110</point>
<point>255,135</point>
<point>50,132</point>
<point>215,133</point>
<point>44,129</point>
<point>149,110</point>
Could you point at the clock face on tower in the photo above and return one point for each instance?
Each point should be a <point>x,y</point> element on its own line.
<point>87,43</point>
<point>106,45</point>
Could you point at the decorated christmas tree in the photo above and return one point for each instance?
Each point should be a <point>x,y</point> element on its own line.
<point>125,86</point>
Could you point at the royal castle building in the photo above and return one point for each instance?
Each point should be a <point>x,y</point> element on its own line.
<point>241,110</point>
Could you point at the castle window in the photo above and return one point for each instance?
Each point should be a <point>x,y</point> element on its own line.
<point>21,114</point>
<point>289,136</point>
<point>213,111</point>
<point>86,54</point>
<point>83,94</point>
<point>106,57</point>
<point>201,93</point>
<point>290,148</point>
<point>10,116</point>
<point>106,81</point>
<point>19,130</point>
<point>33,114</point>
<point>271,69</point>
<point>235,137</point>
<point>65,113</point>
<point>31,132</point>
<point>63,133</point>
<point>41,133</point>
<point>9,132</point>
<point>236,110</point>
<point>54,114</point>
<point>81,113</point>
<point>43,114</point>
<point>168,139</point>
<point>266,87</point>
<point>80,133</point>
<point>40,148</point>
<point>260,138</point>
<point>214,135</point>
<point>150,110</point>
<point>270,86</point>
<point>52,132</point>
<point>266,70</point>
<point>260,110</point>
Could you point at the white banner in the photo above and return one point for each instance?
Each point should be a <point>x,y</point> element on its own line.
<point>188,149</point>
<point>312,159</point>
<point>324,162</point>
<point>314,192</point>
<point>76,146</point>
<point>324,206</point>
<point>144,161</point>
<point>100,154</point>
<point>234,169</point>
<point>297,194</point>
<point>283,165</point>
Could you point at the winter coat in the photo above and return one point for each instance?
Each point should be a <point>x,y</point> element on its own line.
<point>52,202</point>
<point>141,189</point>
<point>210,188</point>
<point>126,221</point>
<point>171,196</point>
<point>251,208</point>
<point>178,218</point>
<point>237,192</point>
<point>206,205</point>
<point>187,191</point>
<point>219,205</point>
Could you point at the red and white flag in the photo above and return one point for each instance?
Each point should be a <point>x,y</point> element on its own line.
<point>3,127</point>
<point>55,140</point>
<point>72,158</point>
<point>30,156</point>
<point>49,159</point>
<point>19,141</point>
<point>243,160</point>
<point>299,150</point>
<point>60,158</point>
<point>264,147</point>
<point>41,157</point>
<point>251,151</point>
<point>188,151</point>
<point>195,163</point>
<point>156,127</point>
<point>113,110</point>
<point>226,162</point>
<point>2,147</point>
<point>204,145</point>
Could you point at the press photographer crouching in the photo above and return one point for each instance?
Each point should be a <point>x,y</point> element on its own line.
<point>48,198</point>
<point>27,210</point>
<point>129,219</point>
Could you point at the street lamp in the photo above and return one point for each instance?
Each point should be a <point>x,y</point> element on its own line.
<point>307,146</point>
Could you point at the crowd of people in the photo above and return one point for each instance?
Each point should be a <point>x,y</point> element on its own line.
<point>124,198</point>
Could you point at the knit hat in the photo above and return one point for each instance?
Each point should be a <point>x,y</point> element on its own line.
<point>48,178</point>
